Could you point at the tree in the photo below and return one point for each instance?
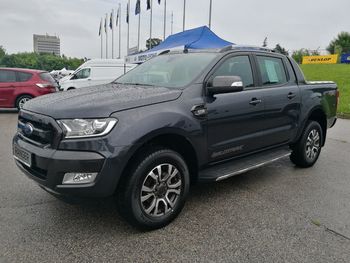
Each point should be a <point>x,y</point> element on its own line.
<point>341,44</point>
<point>298,55</point>
<point>2,53</point>
<point>151,43</point>
<point>265,42</point>
<point>281,50</point>
<point>40,61</point>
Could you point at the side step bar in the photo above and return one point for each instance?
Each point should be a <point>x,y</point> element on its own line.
<point>238,166</point>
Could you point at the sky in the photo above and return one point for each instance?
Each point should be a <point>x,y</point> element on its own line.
<point>293,24</point>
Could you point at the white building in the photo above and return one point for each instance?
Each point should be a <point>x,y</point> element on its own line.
<point>47,44</point>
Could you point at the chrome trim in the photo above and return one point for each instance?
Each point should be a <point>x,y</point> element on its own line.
<point>21,161</point>
<point>251,168</point>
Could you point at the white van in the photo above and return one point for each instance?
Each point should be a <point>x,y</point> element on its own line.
<point>95,72</point>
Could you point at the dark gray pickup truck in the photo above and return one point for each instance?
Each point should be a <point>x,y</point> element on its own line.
<point>179,118</point>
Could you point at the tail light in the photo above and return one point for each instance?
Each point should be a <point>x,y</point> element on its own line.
<point>44,85</point>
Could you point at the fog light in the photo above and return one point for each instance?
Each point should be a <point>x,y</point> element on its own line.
<point>78,178</point>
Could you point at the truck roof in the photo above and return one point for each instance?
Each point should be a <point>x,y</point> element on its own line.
<point>221,50</point>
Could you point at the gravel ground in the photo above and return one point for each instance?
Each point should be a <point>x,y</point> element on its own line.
<point>277,213</point>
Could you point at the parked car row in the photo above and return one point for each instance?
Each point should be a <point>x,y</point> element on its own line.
<point>17,86</point>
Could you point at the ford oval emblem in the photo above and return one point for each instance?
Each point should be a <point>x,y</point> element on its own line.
<point>28,129</point>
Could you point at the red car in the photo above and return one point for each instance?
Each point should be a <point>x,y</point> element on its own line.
<point>17,86</point>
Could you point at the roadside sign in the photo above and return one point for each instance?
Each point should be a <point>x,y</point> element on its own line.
<point>330,59</point>
<point>345,58</point>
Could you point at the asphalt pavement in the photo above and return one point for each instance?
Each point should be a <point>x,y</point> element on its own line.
<point>278,213</point>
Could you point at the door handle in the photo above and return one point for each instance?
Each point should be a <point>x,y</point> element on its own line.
<point>291,95</point>
<point>255,101</point>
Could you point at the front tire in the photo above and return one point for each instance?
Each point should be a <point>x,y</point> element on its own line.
<point>307,150</point>
<point>156,190</point>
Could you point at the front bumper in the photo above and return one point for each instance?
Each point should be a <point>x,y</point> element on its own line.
<point>49,166</point>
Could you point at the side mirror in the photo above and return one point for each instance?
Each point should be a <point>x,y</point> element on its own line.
<point>225,84</point>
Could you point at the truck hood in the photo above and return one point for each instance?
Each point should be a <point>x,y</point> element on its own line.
<point>99,101</point>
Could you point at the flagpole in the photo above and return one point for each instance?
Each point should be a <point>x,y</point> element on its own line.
<point>172,22</point>
<point>138,37</point>
<point>101,37</point>
<point>210,10</point>
<point>164,20</point>
<point>106,35</point>
<point>150,26</point>
<point>184,18</point>
<point>112,14</point>
<point>128,38</point>
<point>120,29</point>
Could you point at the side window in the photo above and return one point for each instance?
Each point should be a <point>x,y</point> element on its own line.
<point>7,76</point>
<point>237,66</point>
<point>22,76</point>
<point>83,74</point>
<point>272,71</point>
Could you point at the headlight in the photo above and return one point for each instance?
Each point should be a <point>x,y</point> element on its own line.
<point>82,128</point>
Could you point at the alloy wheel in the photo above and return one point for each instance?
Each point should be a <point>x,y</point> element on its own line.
<point>312,144</point>
<point>161,190</point>
<point>22,102</point>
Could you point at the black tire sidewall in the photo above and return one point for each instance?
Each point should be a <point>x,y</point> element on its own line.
<point>137,179</point>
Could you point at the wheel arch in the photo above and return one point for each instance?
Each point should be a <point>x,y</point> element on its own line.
<point>168,138</point>
<point>316,114</point>
<point>21,95</point>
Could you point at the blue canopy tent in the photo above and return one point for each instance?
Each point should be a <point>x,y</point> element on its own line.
<point>197,38</point>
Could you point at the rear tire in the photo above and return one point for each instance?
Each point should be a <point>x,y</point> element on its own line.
<point>22,100</point>
<point>307,150</point>
<point>156,189</point>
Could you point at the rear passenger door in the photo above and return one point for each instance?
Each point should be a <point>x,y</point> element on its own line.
<point>281,98</point>
<point>7,87</point>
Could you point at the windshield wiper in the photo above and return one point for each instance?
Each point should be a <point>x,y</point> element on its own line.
<point>135,84</point>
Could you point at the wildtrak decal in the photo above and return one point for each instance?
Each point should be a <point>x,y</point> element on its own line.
<point>227,151</point>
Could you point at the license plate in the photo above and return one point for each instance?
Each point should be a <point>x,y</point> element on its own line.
<point>22,155</point>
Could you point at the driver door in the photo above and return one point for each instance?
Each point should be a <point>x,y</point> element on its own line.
<point>235,120</point>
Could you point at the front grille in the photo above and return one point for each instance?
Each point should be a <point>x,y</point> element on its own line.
<point>38,129</point>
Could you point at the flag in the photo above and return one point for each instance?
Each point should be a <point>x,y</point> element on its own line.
<point>148,4</point>
<point>111,21</point>
<point>138,7</point>
<point>100,28</point>
<point>117,20</point>
<point>127,13</point>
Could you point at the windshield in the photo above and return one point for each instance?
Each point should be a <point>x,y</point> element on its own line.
<point>171,71</point>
